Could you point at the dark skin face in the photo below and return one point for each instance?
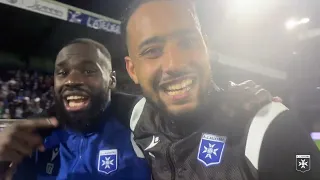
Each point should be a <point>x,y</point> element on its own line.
<point>168,56</point>
<point>82,82</point>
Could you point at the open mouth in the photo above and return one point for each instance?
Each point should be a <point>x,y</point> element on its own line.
<point>179,88</point>
<point>76,102</point>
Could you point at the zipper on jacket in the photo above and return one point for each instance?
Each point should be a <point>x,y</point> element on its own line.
<point>171,165</point>
<point>80,149</point>
<point>80,154</point>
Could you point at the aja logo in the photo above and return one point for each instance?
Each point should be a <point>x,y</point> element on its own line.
<point>108,161</point>
<point>303,163</point>
<point>211,149</point>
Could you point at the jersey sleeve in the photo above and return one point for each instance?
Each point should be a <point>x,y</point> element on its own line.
<point>284,139</point>
<point>122,105</point>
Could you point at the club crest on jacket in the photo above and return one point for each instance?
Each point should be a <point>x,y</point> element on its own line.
<point>211,149</point>
<point>108,161</point>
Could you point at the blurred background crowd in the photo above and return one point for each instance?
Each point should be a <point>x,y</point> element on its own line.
<point>24,93</point>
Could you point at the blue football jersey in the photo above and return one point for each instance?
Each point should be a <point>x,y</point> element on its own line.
<point>109,153</point>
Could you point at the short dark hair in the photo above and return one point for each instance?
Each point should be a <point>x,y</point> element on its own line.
<point>96,44</point>
<point>131,8</point>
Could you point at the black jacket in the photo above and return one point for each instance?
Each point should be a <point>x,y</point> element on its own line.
<point>263,148</point>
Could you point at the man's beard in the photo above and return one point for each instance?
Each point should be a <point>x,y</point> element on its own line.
<point>206,98</point>
<point>86,120</point>
<point>187,122</point>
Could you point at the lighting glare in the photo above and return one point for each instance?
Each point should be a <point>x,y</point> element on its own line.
<point>249,7</point>
<point>305,20</point>
<point>245,6</point>
<point>291,24</point>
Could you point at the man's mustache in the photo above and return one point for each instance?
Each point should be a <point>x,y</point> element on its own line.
<point>161,76</point>
<point>76,89</point>
<point>169,75</point>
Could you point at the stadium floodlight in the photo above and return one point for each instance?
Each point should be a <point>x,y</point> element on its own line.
<point>292,23</point>
<point>304,20</point>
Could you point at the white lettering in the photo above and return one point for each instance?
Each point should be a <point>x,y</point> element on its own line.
<point>89,23</point>
<point>214,137</point>
<point>74,17</point>
<point>104,25</point>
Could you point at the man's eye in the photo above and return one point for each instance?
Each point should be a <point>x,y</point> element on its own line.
<point>62,73</point>
<point>152,53</point>
<point>88,72</point>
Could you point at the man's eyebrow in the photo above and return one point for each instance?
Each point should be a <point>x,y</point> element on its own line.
<point>152,40</point>
<point>184,32</point>
<point>161,39</point>
<point>84,61</point>
<point>89,62</point>
<point>62,63</point>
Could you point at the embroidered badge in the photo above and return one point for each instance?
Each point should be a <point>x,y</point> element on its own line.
<point>211,149</point>
<point>108,161</point>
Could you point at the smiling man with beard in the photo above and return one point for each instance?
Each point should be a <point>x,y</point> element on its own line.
<point>182,123</point>
<point>86,139</point>
<point>81,101</point>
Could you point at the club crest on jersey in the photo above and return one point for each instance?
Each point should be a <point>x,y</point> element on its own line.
<point>211,149</point>
<point>108,161</point>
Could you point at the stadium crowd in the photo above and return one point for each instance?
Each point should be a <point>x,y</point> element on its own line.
<point>24,93</point>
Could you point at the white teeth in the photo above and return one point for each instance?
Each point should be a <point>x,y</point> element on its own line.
<point>183,84</point>
<point>178,92</point>
<point>75,101</point>
<point>74,97</point>
<point>75,104</point>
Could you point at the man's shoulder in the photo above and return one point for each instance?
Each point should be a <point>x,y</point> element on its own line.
<point>122,105</point>
<point>263,132</point>
<point>283,138</point>
<point>137,113</point>
<point>120,97</point>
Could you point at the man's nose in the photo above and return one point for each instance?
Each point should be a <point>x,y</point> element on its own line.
<point>74,78</point>
<point>174,59</point>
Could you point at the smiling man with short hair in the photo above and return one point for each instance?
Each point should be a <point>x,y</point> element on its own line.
<point>86,139</point>
<point>182,124</point>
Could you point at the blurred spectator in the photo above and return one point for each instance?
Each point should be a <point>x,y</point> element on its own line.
<point>18,110</point>
<point>37,108</point>
<point>26,107</point>
<point>6,114</point>
<point>1,108</point>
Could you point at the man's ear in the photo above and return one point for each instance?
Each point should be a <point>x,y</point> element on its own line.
<point>131,69</point>
<point>113,80</point>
